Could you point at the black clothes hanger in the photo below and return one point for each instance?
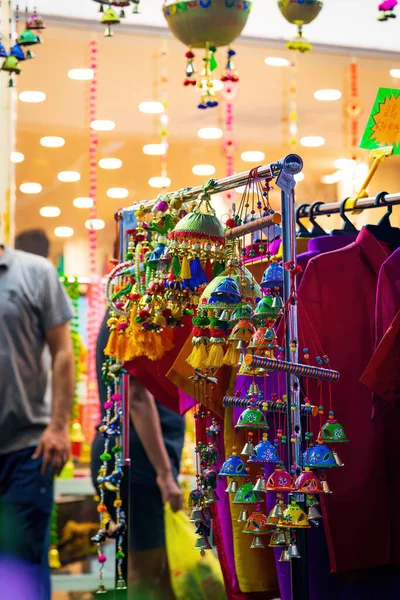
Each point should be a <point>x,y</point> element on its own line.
<point>383,231</point>
<point>302,231</point>
<point>348,226</point>
<point>317,230</point>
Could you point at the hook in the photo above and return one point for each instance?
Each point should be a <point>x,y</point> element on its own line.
<point>302,231</point>
<point>379,201</point>
<point>317,230</point>
<point>348,226</point>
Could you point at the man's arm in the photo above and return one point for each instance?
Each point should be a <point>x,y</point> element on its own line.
<point>146,420</point>
<point>54,444</point>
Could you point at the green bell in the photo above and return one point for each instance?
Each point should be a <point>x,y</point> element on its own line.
<point>27,38</point>
<point>10,65</point>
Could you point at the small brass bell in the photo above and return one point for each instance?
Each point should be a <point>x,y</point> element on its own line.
<point>197,515</point>
<point>232,487</point>
<point>101,588</point>
<point>257,542</point>
<point>284,557</point>
<point>54,557</point>
<point>279,538</point>
<point>325,487</point>
<point>337,459</point>
<point>293,551</point>
<point>254,390</point>
<point>121,585</point>
<point>313,513</point>
<point>277,302</point>
<point>260,485</point>
<point>243,517</point>
<point>248,449</point>
<point>277,511</point>
<point>225,315</point>
<point>241,345</point>
<point>202,543</point>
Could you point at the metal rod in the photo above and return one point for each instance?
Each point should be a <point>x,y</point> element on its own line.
<point>334,207</point>
<point>256,225</point>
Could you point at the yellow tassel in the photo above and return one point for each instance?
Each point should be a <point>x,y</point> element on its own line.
<point>121,346</point>
<point>110,349</point>
<point>215,356</point>
<point>133,325</point>
<point>198,357</point>
<point>232,355</point>
<point>185,270</point>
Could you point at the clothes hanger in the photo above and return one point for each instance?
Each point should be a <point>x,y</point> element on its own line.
<point>383,231</point>
<point>317,230</point>
<point>302,232</point>
<point>348,227</point>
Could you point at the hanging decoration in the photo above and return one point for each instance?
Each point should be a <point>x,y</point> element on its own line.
<point>293,114</point>
<point>207,24</point>
<point>354,110</point>
<point>386,10</point>
<point>54,556</point>
<point>110,16</point>
<point>300,13</point>
<point>229,143</point>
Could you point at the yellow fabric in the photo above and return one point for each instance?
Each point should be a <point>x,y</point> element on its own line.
<point>255,569</point>
<point>193,577</point>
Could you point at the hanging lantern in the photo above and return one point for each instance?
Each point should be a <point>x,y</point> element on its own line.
<point>209,25</point>
<point>300,12</point>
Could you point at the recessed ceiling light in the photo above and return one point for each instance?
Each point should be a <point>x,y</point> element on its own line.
<point>344,163</point>
<point>95,224</point>
<point>117,192</point>
<point>52,141</point>
<point>276,61</point>
<point>151,108</point>
<point>395,73</point>
<point>299,177</point>
<point>102,125</point>
<point>30,188</point>
<point>203,170</point>
<point>252,156</point>
<point>210,133</point>
<point>32,97</point>
<point>159,182</point>
<point>312,141</point>
<point>327,95</point>
<point>64,232</point>
<point>83,202</point>
<point>81,74</point>
<point>333,178</point>
<point>17,157</point>
<point>110,163</point>
<point>68,176</point>
<point>154,149</point>
<point>50,211</point>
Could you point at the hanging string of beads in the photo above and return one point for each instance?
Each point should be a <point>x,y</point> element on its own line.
<point>54,556</point>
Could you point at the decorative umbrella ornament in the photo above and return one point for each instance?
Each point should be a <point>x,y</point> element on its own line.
<point>300,12</point>
<point>386,10</point>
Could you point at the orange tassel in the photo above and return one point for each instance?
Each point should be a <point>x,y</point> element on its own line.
<point>111,348</point>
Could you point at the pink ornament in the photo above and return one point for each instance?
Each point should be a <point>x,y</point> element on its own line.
<point>102,558</point>
<point>108,405</point>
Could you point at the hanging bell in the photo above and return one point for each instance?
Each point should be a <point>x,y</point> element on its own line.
<point>210,497</point>
<point>276,513</point>
<point>277,302</point>
<point>233,467</point>
<point>10,65</point>
<point>265,451</point>
<point>202,543</point>
<point>121,585</point>
<point>260,485</point>
<point>332,432</point>
<point>248,449</point>
<point>246,494</point>
<point>197,515</point>
<point>253,390</point>
<point>227,291</point>
<point>273,276</point>
<point>325,487</point>
<point>232,487</point>
<point>225,316</point>
<point>337,459</point>
<point>313,513</point>
<point>279,538</point>
<point>243,516</point>
<point>54,557</point>
<point>294,517</point>
<point>252,418</point>
<point>284,557</point>
<point>257,542</point>
<point>109,18</point>
<point>293,551</point>
<point>101,589</point>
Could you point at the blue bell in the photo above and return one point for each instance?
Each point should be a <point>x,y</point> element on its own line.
<point>3,51</point>
<point>233,467</point>
<point>17,52</point>
<point>319,457</point>
<point>227,292</point>
<point>273,276</point>
<point>265,452</point>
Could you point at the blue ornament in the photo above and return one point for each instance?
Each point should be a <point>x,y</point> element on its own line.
<point>265,451</point>
<point>273,276</point>
<point>319,457</point>
<point>3,51</point>
<point>226,292</point>
<point>17,51</point>
<point>233,467</point>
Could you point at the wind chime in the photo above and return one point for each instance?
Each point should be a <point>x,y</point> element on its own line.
<point>54,555</point>
<point>208,25</point>
<point>30,37</point>
<point>386,10</point>
<point>109,15</point>
<point>300,13</point>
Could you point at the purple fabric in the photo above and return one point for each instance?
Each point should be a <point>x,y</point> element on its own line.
<point>18,580</point>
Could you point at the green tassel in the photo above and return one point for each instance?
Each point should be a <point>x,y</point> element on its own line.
<point>218,268</point>
<point>213,63</point>
<point>176,266</point>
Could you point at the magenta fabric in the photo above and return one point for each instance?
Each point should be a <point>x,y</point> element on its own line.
<point>387,294</point>
<point>321,245</point>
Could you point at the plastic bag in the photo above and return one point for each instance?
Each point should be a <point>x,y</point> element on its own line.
<point>193,577</point>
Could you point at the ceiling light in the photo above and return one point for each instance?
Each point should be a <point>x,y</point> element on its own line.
<point>83,202</point>
<point>327,95</point>
<point>17,157</point>
<point>102,125</point>
<point>395,73</point>
<point>276,61</point>
<point>68,176</point>
<point>52,141</point>
<point>81,74</point>
<point>117,192</point>
<point>203,170</point>
<point>151,108</point>
<point>154,149</point>
<point>63,232</point>
<point>312,141</point>
<point>32,97</point>
<point>299,177</point>
<point>110,163</point>
<point>333,178</point>
<point>50,211</point>
<point>210,133</point>
<point>159,182</point>
<point>252,156</point>
<point>95,224</point>
<point>344,163</point>
<point>30,188</point>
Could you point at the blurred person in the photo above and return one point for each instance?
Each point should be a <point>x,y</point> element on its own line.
<point>35,408</point>
<point>156,442</point>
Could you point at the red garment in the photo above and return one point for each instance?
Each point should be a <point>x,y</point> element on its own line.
<point>337,294</point>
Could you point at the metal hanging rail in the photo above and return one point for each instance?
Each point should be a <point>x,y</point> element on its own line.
<point>334,208</point>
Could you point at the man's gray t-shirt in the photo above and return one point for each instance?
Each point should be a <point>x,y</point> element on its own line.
<point>32,300</point>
